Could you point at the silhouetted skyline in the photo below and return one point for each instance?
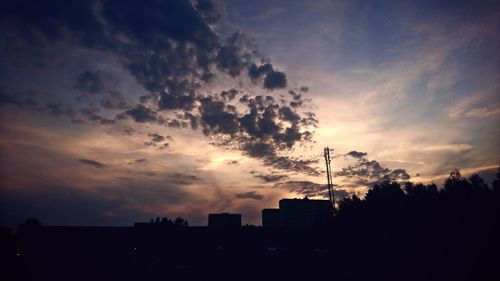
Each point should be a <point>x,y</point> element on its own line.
<point>113,112</point>
<point>397,232</point>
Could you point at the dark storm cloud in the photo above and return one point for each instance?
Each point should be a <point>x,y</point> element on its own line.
<point>265,129</point>
<point>235,55</point>
<point>140,114</point>
<point>100,87</point>
<point>266,152</point>
<point>208,11</point>
<point>92,116</point>
<point>158,140</point>
<point>310,119</point>
<point>217,118</point>
<point>275,80</point>
<point>156,137</point>
<point>269,177</point>
<point>114,100</point>
<point>291,164</point>
<point>287,114</point>
<point>366,172</point>
<point>250,195</point>
<point>356,154</point>
<point>297,99</point>
<point>311,189</point>
<point>399,174</point>
<point>229,95</point>
<point>92,163</point>
<point>180,96</point>
<point>256,73</point>
<point>161,43</point>
<point>258,149</point>
<point>172,51</point>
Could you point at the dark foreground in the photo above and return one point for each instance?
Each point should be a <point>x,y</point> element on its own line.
<point>61,253</point>
<point>410,232</point>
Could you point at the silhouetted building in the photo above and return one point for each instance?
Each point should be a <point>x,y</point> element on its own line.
<point>224,220</point>
<point>304,212</point>
<point>271,218</point>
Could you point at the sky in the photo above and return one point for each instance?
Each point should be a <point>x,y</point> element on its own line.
<point>114,112</point>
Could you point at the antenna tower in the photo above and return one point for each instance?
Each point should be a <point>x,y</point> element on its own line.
<point>331,196</point>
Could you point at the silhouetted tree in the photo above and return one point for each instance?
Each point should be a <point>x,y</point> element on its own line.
<point>386,194</point>
<point>455,183</point>
<point>181,222</point>
<point>477,183</point>
<point>496,181</point>
<point>166,221</point>
<point>349,206</point>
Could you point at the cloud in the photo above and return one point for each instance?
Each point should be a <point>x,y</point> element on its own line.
<point>92,116</point>
<point>92,163</point>
<point>250,195</point>
<point>158,138</point>
<point>31,100</point>
<point>140,114</point>
<point>454,148</point>
<point>483,112</point>
<point>95,82</point>
<point>462,106</point>
<point>217,118</point>
<point>269,177</point>
<point>171,49</point>
<point>21,100</point>
<point>159,141</point>
<point>311,189</point>
<point>138,161</point>
<point>184,179</point>
<point>235,55</point>
<point>356,154</point>
<point>265,129</point>
<point>58,109</point>
<point>229,95</point>
<point>364,172</point>
<point>275,80</point>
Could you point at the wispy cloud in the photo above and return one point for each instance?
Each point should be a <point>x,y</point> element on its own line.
<point>92,163</point>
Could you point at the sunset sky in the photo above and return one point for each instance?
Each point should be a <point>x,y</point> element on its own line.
<point>113,112</point>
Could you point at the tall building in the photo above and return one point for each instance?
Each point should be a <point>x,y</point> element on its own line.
<point>271,218</point>
<point>224,220</point>
<point>304,212</point>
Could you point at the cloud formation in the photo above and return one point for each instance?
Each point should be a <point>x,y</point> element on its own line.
<point>250,195</point>
<point>269,177</point>
<point>92,163</point>
<point>311,189</point>
<point>172,50</point>
<point>365,172</point>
